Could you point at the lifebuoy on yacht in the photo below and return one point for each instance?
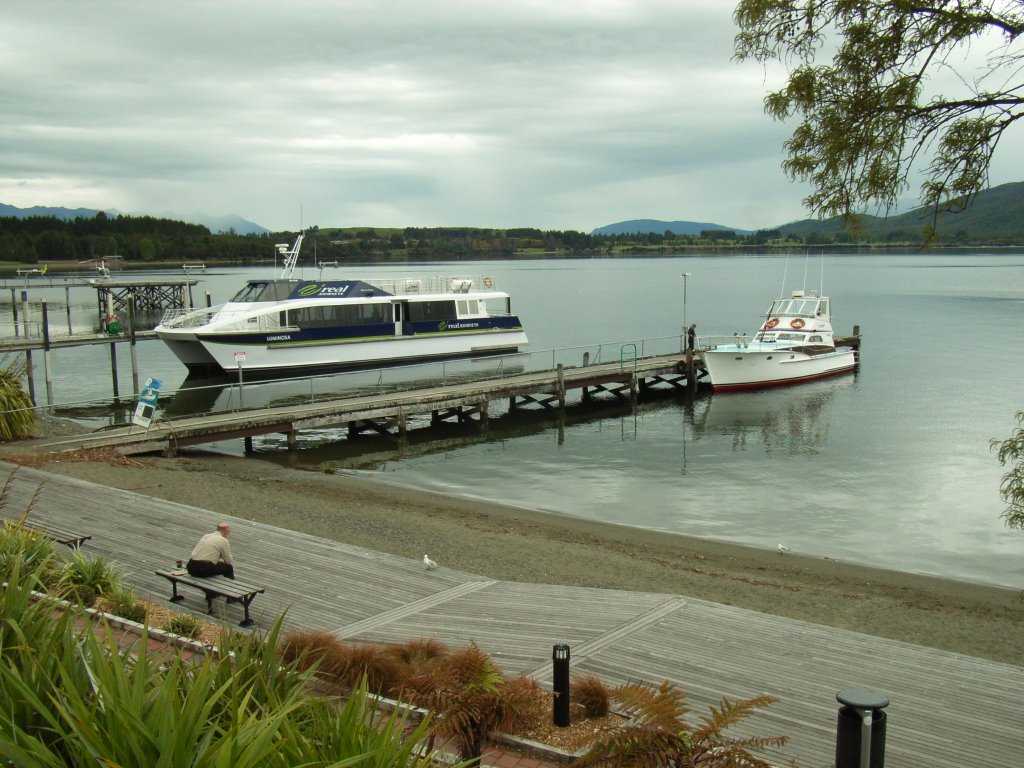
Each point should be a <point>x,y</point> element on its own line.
<point>488,283</point>
<point>772,322</point>
<point>796,323</point>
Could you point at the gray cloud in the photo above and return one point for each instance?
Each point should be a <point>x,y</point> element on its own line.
<point>563,115</point>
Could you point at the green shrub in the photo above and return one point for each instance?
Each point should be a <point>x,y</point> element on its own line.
<point>72,698</point>
<point>183,624</point>
<point>122,602</point>
<point>84,577</point>
<point>17,419</point>
<point>31,553</point>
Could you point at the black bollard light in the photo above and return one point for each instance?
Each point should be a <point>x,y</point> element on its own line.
<point>860,730</point>
<point>560,679</point>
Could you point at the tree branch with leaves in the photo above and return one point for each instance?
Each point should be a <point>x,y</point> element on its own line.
<point>1011,452</point>
<point>869,117</point>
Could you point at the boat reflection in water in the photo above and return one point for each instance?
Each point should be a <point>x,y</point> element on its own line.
<point>794,420</point>
<point>200,395</point>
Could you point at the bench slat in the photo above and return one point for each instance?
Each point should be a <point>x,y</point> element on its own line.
<point>59,535</point>
<point>215,586</point>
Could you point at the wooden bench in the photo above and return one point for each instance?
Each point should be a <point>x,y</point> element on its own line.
<point>215,586</point>
<point>59,535</point>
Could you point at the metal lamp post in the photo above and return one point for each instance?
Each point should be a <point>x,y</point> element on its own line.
<point>685,326</point>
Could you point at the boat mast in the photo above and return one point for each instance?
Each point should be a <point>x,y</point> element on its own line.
<point>290,257</point>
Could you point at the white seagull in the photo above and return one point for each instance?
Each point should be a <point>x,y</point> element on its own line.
<point>783,549</point>
<point>430,564</point>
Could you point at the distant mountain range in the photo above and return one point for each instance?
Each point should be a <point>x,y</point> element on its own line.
<point>996,213</point>
<point>212,223</point>
<point>654,226</point>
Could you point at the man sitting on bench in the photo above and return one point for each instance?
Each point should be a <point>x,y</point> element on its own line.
<point>212,555</point>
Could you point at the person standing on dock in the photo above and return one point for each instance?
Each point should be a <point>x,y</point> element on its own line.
<point>212,555</point>
<point>691,336</point>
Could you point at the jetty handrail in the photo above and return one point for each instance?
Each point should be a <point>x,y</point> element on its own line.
<point>448,372</point>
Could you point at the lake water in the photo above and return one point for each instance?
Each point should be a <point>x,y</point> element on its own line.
<point>889,467</point>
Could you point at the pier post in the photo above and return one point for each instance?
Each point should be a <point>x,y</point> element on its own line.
<point>24,312</point>
<point>131,343</point>
<point>247,443</point>
<point>561,386</point>
<point>67,305</point>
<point>14,311</point>
<point>113,370</point>
<point>46,355</point>
<point>293,440</point>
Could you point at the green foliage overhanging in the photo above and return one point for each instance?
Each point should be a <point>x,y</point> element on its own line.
<point>1011,453</point>
<point>870,115</point>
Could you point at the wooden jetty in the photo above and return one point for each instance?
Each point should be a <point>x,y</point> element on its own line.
<point>388,412</point>
<point>948,710</point>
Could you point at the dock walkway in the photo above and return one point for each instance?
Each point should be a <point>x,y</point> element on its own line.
<point>947,710</point>
<point>392,410</point>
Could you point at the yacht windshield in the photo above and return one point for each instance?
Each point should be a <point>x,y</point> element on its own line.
<point>806,306</point>
<point>264,290</point>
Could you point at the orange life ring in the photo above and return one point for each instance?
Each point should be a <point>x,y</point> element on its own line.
<point>797,323</point>
<point>772,322</point>
<point>488,283</point>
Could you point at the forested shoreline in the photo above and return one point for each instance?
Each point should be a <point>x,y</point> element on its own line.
<point>150,241</point>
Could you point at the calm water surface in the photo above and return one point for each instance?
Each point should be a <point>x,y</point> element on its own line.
<point>889,467</point>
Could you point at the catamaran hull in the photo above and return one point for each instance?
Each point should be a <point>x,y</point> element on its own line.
<point>731,370</point>
<point>204,355</point>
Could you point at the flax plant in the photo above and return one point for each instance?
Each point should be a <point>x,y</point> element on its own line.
<point>17,419</point>
<point>71,696</point>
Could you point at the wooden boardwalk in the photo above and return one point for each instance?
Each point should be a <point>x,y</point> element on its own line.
<point>947,710</point>
<point>390,411</point>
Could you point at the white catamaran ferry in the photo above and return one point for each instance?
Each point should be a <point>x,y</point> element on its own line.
<point>794,344</point>
<point>292,325</point>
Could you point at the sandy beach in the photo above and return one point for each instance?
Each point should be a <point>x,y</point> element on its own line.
<point>511,543</point>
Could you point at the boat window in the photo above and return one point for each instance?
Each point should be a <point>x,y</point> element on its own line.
<point>431,310</point>
<point>247,293</point>
<point>816,338</point>
<point>467,307</point>
<point>272,290</point>
<point>330,315</point>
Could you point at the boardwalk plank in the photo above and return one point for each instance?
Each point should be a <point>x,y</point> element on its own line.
<point>948,710</point>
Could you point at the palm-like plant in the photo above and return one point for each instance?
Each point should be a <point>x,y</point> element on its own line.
<point>659,733</point>
<point>84,577</point>
<point>31,552</point>
<point>71,697</point>
<point>17,419</point>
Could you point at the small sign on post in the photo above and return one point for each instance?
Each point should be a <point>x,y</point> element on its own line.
<point>239,359</point>
<point>146,407</point>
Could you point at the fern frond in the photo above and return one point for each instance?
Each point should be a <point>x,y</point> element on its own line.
<point>728,714</point>
<point>663,707</point>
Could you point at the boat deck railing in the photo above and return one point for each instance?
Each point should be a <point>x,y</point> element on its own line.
<point>430,284</point>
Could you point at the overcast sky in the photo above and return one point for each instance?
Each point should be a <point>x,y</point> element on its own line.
<point>558,114</point>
